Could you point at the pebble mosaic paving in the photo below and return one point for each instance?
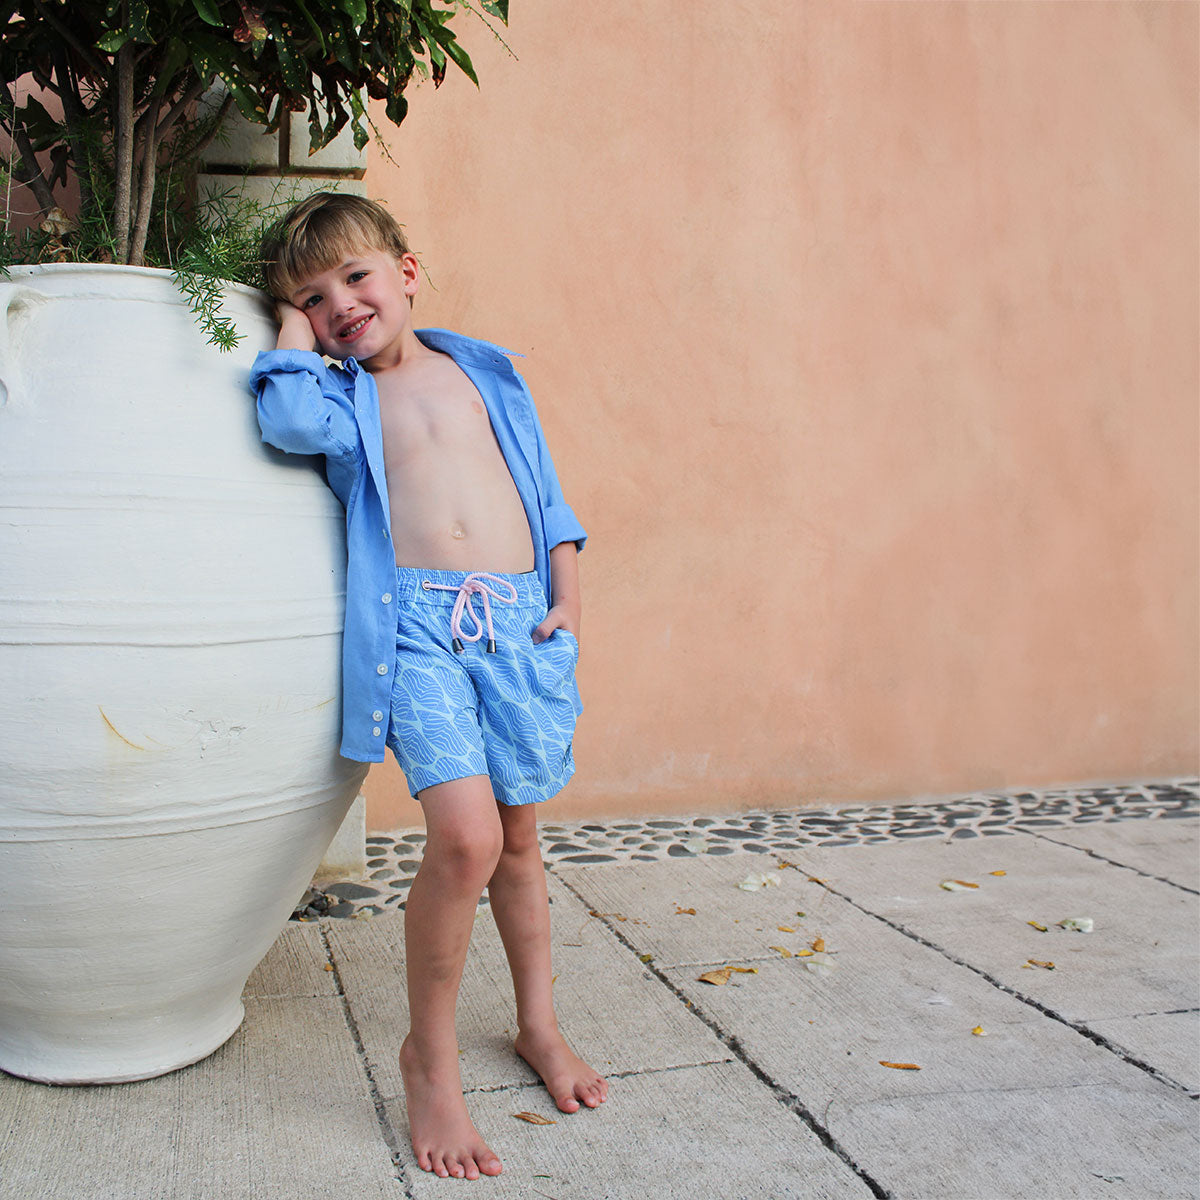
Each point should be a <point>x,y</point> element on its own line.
<point>393,859</point>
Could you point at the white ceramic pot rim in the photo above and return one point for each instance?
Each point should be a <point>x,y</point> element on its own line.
<point>100,270</point>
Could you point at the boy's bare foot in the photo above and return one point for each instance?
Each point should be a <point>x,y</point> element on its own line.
<point>567,1077</point>
<point>443,1137</point>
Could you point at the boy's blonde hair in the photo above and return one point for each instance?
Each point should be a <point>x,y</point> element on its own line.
<point>319,232</point>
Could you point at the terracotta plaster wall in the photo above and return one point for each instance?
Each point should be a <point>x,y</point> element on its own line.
<point>865,335</point>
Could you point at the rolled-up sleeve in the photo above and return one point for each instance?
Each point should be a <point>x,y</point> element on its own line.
<point>559,518</point>
<point>302,408</point>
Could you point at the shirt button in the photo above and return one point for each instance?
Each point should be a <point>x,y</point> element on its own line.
<point>386,597</point>
<point>381,669</point>
<point>375,731</point>
<point>377,715</point>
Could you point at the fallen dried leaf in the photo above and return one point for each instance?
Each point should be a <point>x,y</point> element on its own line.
<point>979,1031</point>
<point>718,978</point>
<point>745,970</point>
<point>782,950</point>
<point>645,957</point>
<point>1037,925</point>
<point>1077,924</point>
<point>804,954</point>
<point>534,1118</point>
<point>818,944</point>
<point>680,912</point>
<point>957,885</point>
<point>997,872</point>
<point>1037,962</point>
<point>819,964</point>
<point>814,879</point>
<point>616,916</point>
<point>899,1066</point>
<point>752,883</point>
<point>785,928</point>
<point>801,914</point>
<point>329,966</point>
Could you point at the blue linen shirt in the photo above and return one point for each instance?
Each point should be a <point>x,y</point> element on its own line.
<point>307,406</point>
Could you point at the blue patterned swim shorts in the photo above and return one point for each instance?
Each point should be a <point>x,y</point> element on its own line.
<point>500,706</point>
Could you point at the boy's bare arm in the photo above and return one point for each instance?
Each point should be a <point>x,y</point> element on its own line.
<point>566,610</point>
<point>295,330</point>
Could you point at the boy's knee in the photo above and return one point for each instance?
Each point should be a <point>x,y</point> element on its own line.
<point>469,851</point>
<point>521,837</point>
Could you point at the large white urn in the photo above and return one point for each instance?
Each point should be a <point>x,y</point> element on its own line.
<point>171,597</point>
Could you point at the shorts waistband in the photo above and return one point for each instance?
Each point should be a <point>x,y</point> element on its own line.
<point>410,589</point>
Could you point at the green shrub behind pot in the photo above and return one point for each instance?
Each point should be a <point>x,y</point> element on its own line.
<point>127,74</point>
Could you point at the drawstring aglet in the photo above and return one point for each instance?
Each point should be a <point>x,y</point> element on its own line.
<point>491,646</point>
<point>456,645</point>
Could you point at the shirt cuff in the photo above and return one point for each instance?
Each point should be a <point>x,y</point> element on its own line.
<point>270,361</point>
<point>563,526</point>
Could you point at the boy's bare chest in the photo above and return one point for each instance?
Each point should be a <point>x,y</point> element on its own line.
<point>435,412</point>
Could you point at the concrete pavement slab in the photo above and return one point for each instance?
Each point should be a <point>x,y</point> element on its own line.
<point>823,1037</point>
<point>1094,1152</point>
<point>258,1118</point>
<point>1171,1041</point>
<point>649,905</point>
<point>595,979</point>
<point>711,1131</point>
<point>295,966</point>
<point>1140,958</point>
<point>1165,849</point>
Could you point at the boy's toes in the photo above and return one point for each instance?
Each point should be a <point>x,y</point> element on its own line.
<point>567,1103</point>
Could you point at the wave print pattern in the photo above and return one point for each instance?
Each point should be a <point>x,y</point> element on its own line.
<point>509,715</point>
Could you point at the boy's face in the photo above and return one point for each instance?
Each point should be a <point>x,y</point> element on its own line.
<point>362,306</point>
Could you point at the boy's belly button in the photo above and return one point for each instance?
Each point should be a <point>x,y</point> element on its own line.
<point>457,531</point>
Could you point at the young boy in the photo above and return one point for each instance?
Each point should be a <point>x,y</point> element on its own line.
<point>432,443</point>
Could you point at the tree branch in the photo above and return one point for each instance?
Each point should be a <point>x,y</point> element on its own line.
<point>180,107</point>
<point>31,174</point>
<point>204,143</point>
<point>74,116</point>
<point>124,150</point>
<point>145,203</point>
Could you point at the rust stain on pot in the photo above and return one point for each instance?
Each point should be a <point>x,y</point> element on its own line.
<point>104,718</point>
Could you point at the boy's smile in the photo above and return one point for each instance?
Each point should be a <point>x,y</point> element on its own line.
<point>362,306</point>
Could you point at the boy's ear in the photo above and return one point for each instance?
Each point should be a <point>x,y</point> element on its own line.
<point>410,272</point>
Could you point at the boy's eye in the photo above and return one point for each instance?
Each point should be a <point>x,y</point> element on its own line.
<point>313,299</point>
<point>355,276</point>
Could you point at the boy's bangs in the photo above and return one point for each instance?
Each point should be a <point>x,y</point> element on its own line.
<point>316,250</point>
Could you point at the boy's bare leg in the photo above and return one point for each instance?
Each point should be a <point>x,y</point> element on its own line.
<point>517,891</point>
<point>462,845</point>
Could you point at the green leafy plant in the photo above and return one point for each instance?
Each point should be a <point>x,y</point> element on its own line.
<point>114,105</point>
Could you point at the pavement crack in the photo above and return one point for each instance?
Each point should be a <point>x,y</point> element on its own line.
<point>733,1044</point>
<point>1083,1030</point>
<point>538,1085</point>
<point>1112,862</point>
<point>386,1129</point>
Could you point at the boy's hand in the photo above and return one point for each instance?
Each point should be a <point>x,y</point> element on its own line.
<point>565,606</point>
<point>295,331</point>
<point>561,616</point>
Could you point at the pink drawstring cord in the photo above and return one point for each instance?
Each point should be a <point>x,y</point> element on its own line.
<point>473,585</point>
